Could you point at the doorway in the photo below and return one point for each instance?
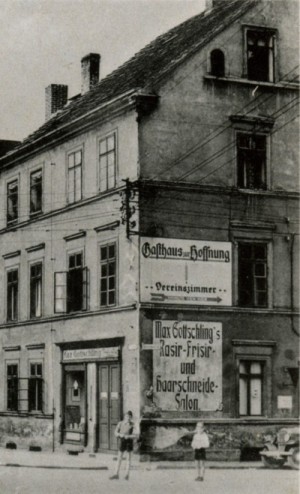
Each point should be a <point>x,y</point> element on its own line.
<point>109,404</point>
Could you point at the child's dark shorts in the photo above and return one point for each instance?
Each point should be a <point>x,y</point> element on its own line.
<point>125,444</point>
<point>200,454</point>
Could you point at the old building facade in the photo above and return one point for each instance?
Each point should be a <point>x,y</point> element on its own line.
<point>149,245</point>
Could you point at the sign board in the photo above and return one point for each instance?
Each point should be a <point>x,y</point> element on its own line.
<point>285,402</point>
<point>86,354</point>
<point>176,271</point>
<point>187,367</point>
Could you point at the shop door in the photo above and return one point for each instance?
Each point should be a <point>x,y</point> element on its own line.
<point>109,405</point>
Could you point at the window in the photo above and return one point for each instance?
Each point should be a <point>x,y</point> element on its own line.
<point>251,161</point>
<point>252,275</point>
<point>36,290</point>
<point>71,287</point>
<point>107,163</point>
<point>12,294</point>
<point>36,192</point>
<point>35,388</point>
<point>108,266</point>
<point>12,387</point>
<point>12,201</point>
<point>250,387</point>
<point>75,176</point>
<point>217,63</point>
<point>260,54</point>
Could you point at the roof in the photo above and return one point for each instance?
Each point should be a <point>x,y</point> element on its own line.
<point>145,69</point>
<point>6,146</point>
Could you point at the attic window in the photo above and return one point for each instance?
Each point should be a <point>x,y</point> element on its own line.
<point>217,63</point>
<point>260,45</point>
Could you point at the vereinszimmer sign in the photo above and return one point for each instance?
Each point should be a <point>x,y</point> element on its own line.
<point>177,271</point>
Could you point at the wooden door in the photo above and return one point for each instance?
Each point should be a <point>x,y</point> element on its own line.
<point>109,405</point>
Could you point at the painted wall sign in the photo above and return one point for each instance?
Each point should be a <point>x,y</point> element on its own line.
<point>176,271</point>
<point>187,366</point>
<point>90,354</point>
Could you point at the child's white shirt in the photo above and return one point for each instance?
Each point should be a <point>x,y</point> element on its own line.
<point>200,440</point>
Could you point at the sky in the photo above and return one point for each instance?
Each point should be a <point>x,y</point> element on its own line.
<point>42,42</point>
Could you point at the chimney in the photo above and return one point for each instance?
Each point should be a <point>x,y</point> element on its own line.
<point>56,98</point>
<point>90,68</point>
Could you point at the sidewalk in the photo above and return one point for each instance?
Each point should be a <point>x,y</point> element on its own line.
<point>101,461</point>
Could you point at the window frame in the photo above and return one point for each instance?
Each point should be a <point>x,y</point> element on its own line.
<point>251,134</point>
<point>8,182</point>
<point>249,376</point>
<point>68,154</point>
<point>36,379</point>
<point>101,139</point>
<point>272,32</point>
<point>214,51</point>
<point>61,280</point>
<point>7,364</point>
<point>31,265</point>
<point>254,291</point>
<point>9,270</point>
<point>258,351</point>
<point>107,244</point>
<point>32,187</point>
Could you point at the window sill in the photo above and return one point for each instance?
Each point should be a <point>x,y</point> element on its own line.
<point>247,82</point>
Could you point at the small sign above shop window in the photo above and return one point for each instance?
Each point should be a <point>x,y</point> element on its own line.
<point>91,354</point>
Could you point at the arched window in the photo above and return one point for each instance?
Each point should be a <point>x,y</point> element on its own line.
<point>217,63</point>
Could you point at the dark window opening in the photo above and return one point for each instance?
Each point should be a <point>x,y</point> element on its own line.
<point>36,290</point>
<point>12,387</point>
<point>217,63</point>
<point>252,275</point>
<point>12,294</point>
<point>35,388</point>
<point>12,201</point>
<point>250,387</point>
<point>251,161</point>
<point>260,55</point>
<point>36,192</point>
<point>108,275</point>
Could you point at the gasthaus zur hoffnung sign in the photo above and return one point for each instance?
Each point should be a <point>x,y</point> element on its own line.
<point>187,365</point>
<point>176,271</point>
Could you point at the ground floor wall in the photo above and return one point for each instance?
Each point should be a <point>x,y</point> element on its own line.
<point>235,370</point>
<point>68,382</point>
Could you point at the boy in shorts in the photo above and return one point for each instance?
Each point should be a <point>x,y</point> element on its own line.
<point>199,444</point>
<point>124,431</point>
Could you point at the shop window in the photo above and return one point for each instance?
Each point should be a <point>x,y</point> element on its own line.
<point>75,176</point>
<point>75,400</point>
<point>217,63</point>
<point>107,163</point>
<point>252,275</point>
<point>260,54</point>
<point>251,161</point>
<point>108,267</point>
<point>12,294</point>
<point>250,387</point>
<point>71,287</point>
<point>36,290</point>
<point>35,388</point>
<point>36,191</point>
<point>12,202</point>
<point>12,387</point>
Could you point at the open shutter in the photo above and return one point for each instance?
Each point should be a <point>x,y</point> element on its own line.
<point>85,275</point>
<point>60,292</point>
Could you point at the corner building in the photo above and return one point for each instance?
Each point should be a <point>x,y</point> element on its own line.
<point>149,245</point>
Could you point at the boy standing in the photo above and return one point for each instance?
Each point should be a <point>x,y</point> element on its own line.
<point>124,431</point>
<point>199,443</point>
